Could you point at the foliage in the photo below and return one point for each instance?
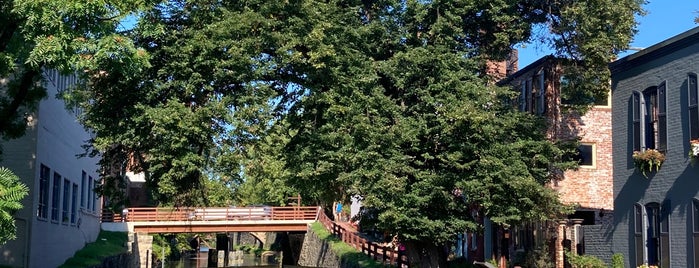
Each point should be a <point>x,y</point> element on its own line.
<point>584,261</point>
<point>617,260</point>
<point>385,100</point>
<point>107,244</point>
<point>12,191</point>
<point>648,160</point>
<point>161,245</point>
<point>343,251</point>
<point>645,265</point>
<point>39,35</point>
<point>694,149</point>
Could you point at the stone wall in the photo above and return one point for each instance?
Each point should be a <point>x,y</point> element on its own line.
<point>316,252</point>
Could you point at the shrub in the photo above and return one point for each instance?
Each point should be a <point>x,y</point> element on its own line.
<point>584,261</point>
<point>617,260</point>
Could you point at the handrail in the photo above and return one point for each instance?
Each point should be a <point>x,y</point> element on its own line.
<point>386,255</point>
<point>153,214</point>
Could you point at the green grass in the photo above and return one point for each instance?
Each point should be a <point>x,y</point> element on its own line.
<point>344,251</point>
<point>107,244</point>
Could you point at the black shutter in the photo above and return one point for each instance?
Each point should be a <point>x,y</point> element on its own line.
<point>638,233</point>
<point>662,118</point>
<point>693,108</point>
<point>636,120</point>
<point>665,234</point>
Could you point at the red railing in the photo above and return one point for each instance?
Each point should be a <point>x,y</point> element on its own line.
<point>384,254</point>
<point>212,213</point>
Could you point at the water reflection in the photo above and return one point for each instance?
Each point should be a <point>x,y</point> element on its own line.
<point>241,260</point>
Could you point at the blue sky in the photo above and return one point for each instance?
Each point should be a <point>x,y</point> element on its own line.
<point>664,19</point>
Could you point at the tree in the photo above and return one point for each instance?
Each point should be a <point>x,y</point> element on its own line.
<point>12,191</point>
<point>36,35</point>
<point>386,100</point>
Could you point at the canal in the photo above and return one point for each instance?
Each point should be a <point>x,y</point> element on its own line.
<point>242,260</point>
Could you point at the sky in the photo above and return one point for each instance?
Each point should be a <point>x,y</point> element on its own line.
<point>664,19</point>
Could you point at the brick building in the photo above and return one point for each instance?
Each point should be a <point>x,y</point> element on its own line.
<point>656,214</point>
<point>541,86</point>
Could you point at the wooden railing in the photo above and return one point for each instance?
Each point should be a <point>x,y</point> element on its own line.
<point>384,254</point>
<point>212,213</point>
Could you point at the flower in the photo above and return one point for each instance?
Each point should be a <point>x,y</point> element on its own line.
<point>645,265</point>
<point>694,148</point>
<point>648,160</point>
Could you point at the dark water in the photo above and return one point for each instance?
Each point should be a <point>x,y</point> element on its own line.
<point>200,260</point>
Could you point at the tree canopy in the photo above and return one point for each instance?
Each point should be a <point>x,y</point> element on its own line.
<point>389,101</point>
<point>12,191</point>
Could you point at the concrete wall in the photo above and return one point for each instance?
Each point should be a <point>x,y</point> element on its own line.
<point>54,138</point>
<point>677,180</point>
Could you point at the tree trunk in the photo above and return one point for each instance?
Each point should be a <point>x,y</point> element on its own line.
<point>425,254</point>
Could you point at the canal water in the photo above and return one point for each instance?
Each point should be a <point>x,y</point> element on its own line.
<point>200,260</point>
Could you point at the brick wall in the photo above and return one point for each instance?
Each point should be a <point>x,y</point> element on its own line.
<point>590,187</point>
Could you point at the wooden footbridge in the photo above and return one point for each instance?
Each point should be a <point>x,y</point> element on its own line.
<point>212,219</point>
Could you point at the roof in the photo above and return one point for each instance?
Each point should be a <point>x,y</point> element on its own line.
<point>536,64</point>
<point>663,48</point>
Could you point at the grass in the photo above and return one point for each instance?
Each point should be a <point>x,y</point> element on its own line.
<point>344,251</point>
<point>107,244</point>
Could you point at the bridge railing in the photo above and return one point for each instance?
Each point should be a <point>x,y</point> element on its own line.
<point>212,213</point>
<point>384,254</point>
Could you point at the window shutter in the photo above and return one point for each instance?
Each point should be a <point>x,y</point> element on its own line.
<point>662,118</point>
<point>638,234</point>
<point>693,108</point>
<point>664,238</point>
<point>636,120</point>
<point>695,231</point>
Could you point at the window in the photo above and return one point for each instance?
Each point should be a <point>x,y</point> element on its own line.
<point>84,188</point>
<point>56,195</point>
<point>649,118</point>
<point>95,197</point>
<point>523,96</point>
<point>66,198</point>
<point>541,93</point>
<point>651,233</point>
<point>74,204</point>
<point>586,155</point>
<point>693,108</point>
<point>90,192</point>
<point>44,177</point>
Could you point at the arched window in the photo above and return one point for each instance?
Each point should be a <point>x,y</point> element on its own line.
<point>649,118</point>
<point>652,233</point>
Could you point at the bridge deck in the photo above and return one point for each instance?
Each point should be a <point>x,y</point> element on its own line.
<point>211,219</point>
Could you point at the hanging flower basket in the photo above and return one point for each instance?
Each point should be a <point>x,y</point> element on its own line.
<point>694,149</point>
<point>648,161</point>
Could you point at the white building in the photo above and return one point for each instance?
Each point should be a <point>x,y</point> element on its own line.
<point>61,212</point>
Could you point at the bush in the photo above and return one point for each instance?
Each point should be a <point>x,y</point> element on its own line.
<point>584,261</point>
<point>617,260</point>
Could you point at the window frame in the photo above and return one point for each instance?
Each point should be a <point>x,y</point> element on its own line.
<point>593,154</point>
<point>56,196</point>
<point>42,211</point>
<point>65,207</point>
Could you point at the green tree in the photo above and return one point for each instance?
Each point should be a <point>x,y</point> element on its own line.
<point>36,35</point>
<point>386,100</point>
<point>12,191</point>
